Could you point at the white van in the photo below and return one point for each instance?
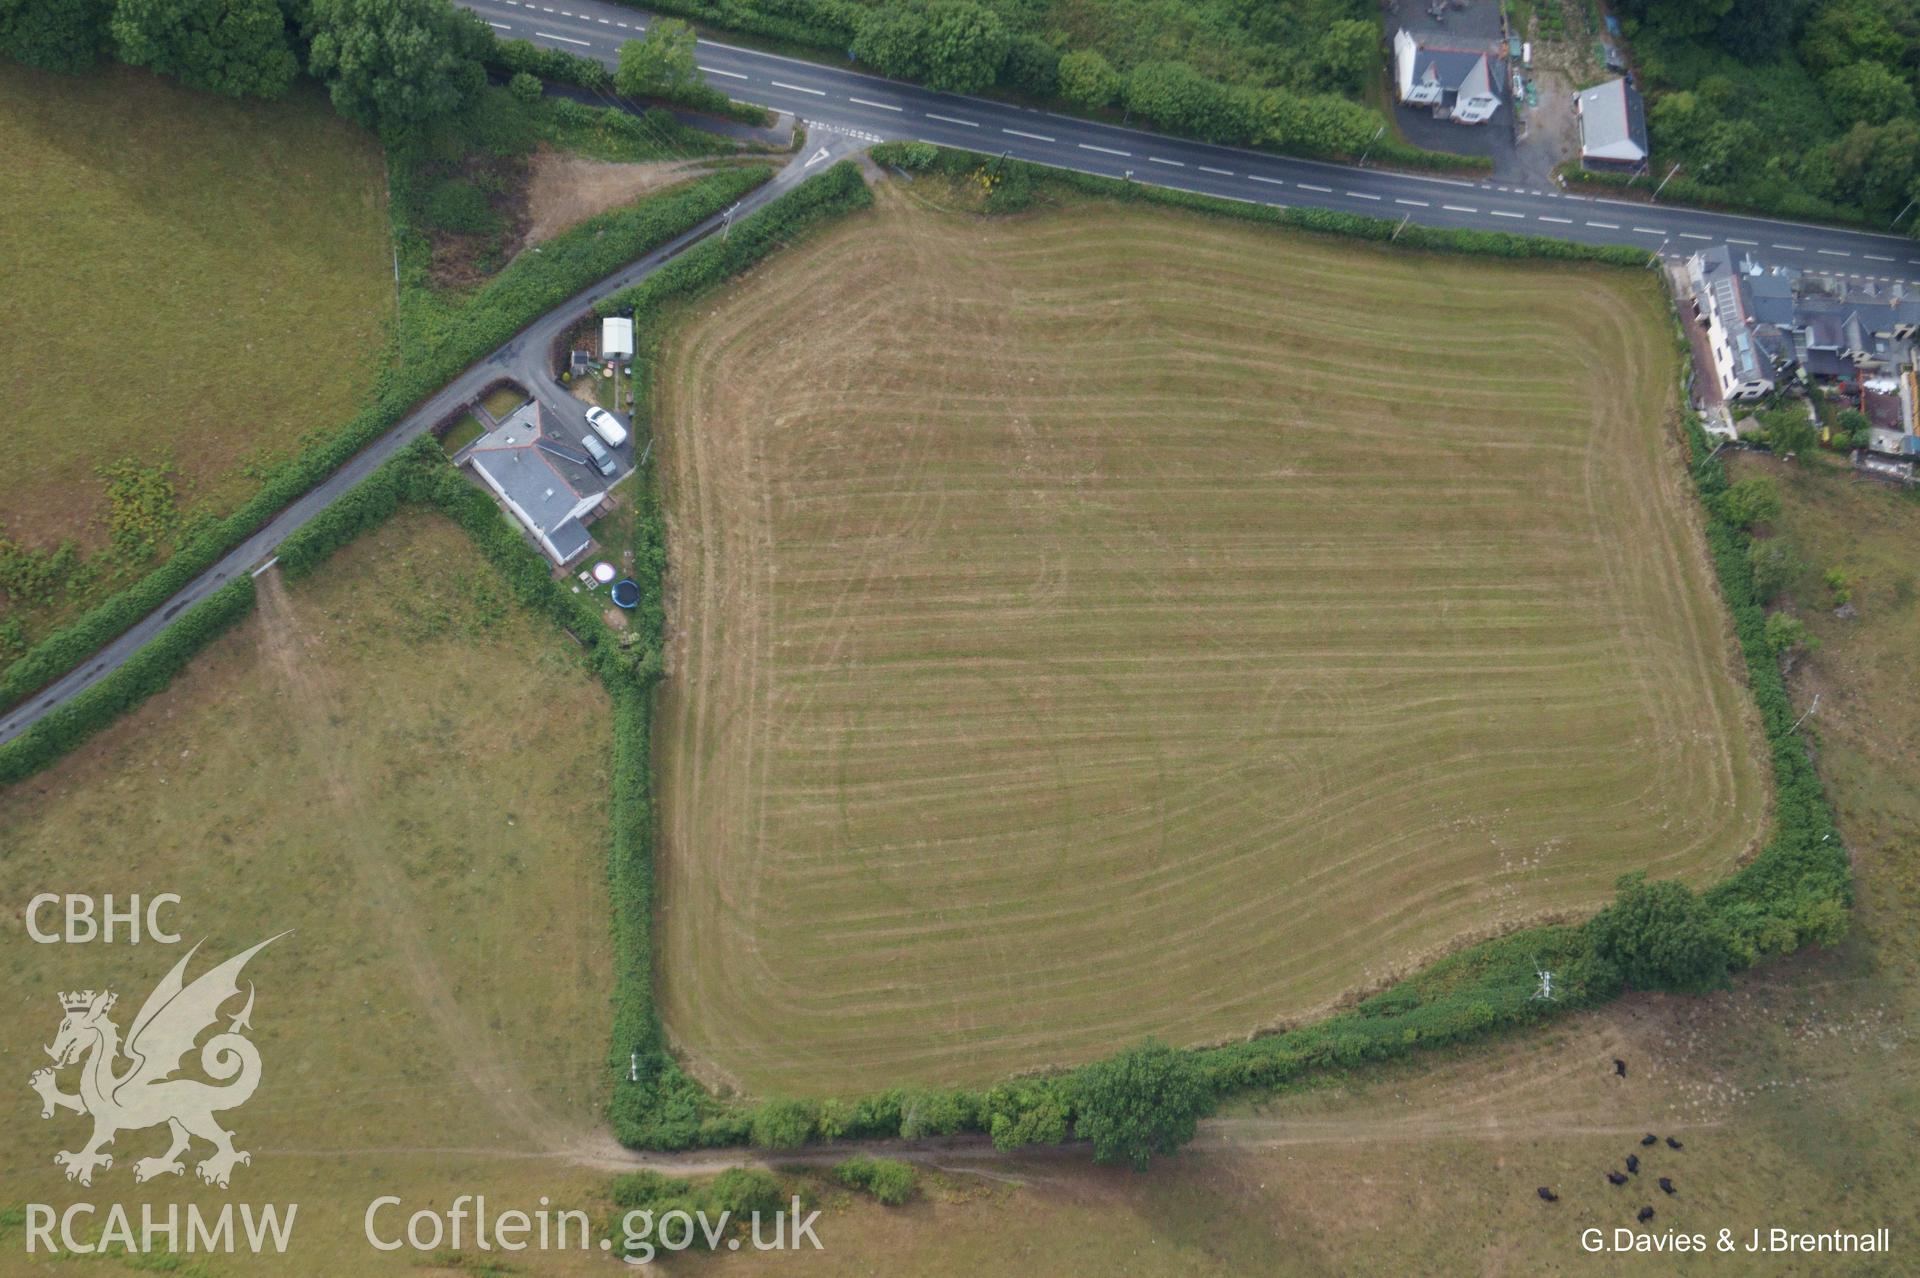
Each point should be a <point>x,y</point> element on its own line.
<point>607,427</point>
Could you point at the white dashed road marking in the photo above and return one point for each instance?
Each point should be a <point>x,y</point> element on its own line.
<point>1418,204</point>
<point>1324,190</point>
<point>884,106</point>
<point>799,88</point>
<point>1564,221</point>
<point>500,25</point>
<point>1037,137</point>
<point>1504,213</point>
<point>1792,248</point>
<point>1748,243</point>
<point>1154,159</point>
<point>1362,195</point>
<point>548,35</point>
<point>1648,230</point>
<point>1255,177</point>
<point>731,75</point>
<point>1875,257</point>
<point>1833,253</point>
<point>948,119</point>
<point>1606,226</point>
<point>1459,208</point>
<point>1104,150</point>
<point>1219,172</point>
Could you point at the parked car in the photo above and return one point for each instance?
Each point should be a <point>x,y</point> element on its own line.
<point>607,427</point>
<point>602,459</point>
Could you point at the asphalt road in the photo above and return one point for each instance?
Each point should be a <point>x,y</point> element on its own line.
<point>875,109</point>
<point>524,360</point>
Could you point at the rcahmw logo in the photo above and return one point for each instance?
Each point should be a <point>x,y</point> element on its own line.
<point>130,1084</point>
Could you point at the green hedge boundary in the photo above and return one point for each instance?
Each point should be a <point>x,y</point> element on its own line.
<point>529,287</point>
<point>1796,891</point>
<point>1019,178</point>
<point>1685,191</point>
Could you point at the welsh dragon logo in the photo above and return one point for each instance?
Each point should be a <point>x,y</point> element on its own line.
<point>144,1093</point>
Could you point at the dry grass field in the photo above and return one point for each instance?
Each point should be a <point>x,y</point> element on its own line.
<point>1113,622</point>
<point>406,770</point>
<point>1796,1093</point>
<point>208,280</point>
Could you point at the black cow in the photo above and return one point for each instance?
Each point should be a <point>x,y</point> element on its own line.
<point>1674,1144</point>
<point>1615,1178</point>
<point>1666,1186</point>
<point>1646,1214</point>
<point>1547,1195</point>
<point>1648,1139</point>
<point>1619,1067</point>
<point>1633,1163</point>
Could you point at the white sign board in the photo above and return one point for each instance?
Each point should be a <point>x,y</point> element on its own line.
<point>616,337</point>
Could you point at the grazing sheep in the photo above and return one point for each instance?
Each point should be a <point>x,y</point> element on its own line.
<point>1666,1186</point>
<point>1633,1163</point>
<point>1648,1139</point>
<point>1646,1214</point>
<point>1547,1195</point>
<point>1619,1067</point>
<point>1615,1178</point>
<point>1674,1144</point>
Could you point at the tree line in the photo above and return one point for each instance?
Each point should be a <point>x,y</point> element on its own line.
<point>385,63</point>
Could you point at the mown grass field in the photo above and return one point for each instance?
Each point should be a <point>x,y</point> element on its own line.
<point>409,772</point>
<point>197,280</point>
<point>1796,1093</point>
<point>1114,622</point>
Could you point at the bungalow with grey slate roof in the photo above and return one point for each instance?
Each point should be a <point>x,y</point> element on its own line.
<point>1461,84</point>
<point>547,485</point>
<point>1613,127</point>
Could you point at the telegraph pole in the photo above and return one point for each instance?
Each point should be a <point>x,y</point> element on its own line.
<point>1369,146</point>
<point>1668,178</point>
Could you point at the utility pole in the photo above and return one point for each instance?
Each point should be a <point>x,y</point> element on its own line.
<point>726,220</point>
<point>1810,709</point>
<point>1369,146</point>
<point>1004,156</point>
<point>1710,456</point>
<point>1546,986</point>
<point>1668,178</point>
<point>1897,216</point>
<point>1399,228</point>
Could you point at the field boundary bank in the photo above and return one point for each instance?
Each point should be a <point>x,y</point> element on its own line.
<point>1796,890</point>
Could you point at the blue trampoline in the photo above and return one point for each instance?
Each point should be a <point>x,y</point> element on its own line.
<point>626,592</point>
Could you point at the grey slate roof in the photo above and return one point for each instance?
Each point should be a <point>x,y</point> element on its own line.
<point>544,492</point>
<point>1613,122</point>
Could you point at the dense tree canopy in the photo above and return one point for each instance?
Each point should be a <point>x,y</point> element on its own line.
<point>54,35</point>
<point>1660,936</point>
<point>660,63</point>
<point>236,47</point>
<point>1141,1103</point>
<point>396,63</point>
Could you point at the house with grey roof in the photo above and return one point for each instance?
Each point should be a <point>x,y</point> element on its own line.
<point>1742,367</point>
<point>1613,127</point>
<point>545,483</point>
<point>1461,84</point>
